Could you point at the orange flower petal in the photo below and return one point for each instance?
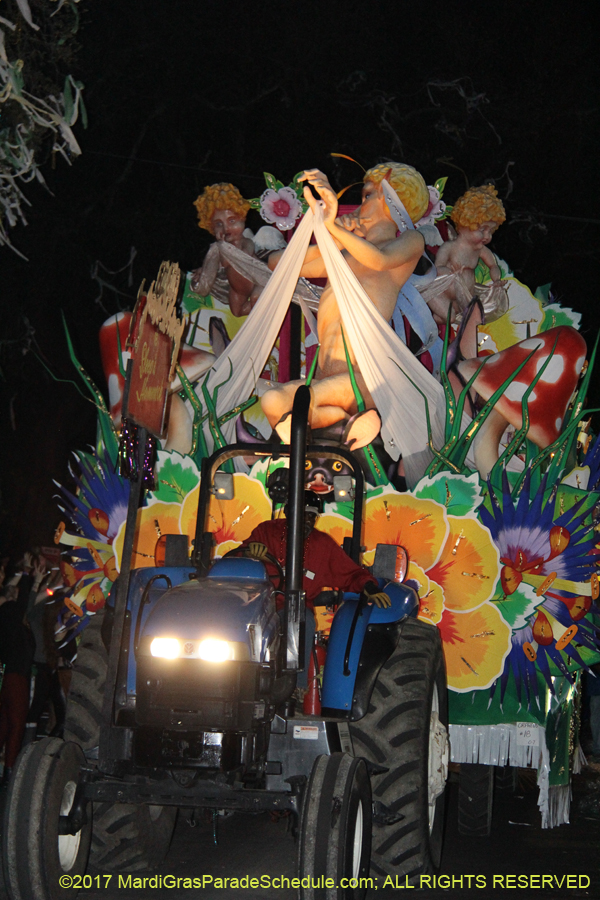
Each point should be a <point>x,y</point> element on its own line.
<point>469,565</point>
<point>476,644</point>
<point>233,520</point>
<point>431,596</point>
<point>420,526</point>
<point>152,522</point>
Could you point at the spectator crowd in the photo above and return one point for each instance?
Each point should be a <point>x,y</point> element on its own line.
<point>36,653</point>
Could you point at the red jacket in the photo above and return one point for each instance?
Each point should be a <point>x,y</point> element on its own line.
<point>325,564</point>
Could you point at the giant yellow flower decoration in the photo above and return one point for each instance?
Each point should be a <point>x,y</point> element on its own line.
<point>476,643</point>
<point>468,566</point>
<point>337,527</point>
<point>152,522</point>
<point>231,521</point>
<point>420,526</point>
<point>454,564</point>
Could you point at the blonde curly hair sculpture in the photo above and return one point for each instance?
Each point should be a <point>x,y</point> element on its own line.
<point>219,196</point>
<point>408,184</point>
<point>478,205</point>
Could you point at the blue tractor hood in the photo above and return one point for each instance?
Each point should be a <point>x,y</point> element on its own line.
<point>228,608</point>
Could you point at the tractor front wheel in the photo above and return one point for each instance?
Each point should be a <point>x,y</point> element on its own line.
<point>335,830</point>
<point>39,861</point>
<point>125,837</point>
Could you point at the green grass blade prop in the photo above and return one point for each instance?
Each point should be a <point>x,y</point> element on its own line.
<point>371,457</point>
<point>436,453</point>
<point>556,447</point>
<point>120,352</point>
<point>198,440</point>
<point>583,388</point>
<point>313,366</point>
<point>357,394</point>
<point>448,391</point>
<point>459,452</point>
<point>107,434</point>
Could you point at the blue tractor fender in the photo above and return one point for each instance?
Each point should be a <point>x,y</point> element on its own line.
<point>363,636</point>
<point>138,585</point>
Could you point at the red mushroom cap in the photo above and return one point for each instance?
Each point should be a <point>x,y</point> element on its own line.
<point>550,397</point>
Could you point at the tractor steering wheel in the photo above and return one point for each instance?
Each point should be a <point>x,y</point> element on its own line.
<point>268,557</point>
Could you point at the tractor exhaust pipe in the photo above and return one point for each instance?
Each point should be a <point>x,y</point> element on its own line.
<point>295,606</point>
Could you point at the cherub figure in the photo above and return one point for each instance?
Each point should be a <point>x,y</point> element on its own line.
<point>381,261</point>
<point>477,215</point>
<point>222,210</point>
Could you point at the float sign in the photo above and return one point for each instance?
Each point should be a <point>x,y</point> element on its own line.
<point>155,340</point>
<point>150,378</point>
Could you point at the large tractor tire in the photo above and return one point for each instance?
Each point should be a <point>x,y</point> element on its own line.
<point>125,837</point>
<point>475,799</point>
<point>335,829</point>
<point>506,779</point>
<point>39,862</point>
<point>405,735</point>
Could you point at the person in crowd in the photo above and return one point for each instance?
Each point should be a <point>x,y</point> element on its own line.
<point>16,654</point>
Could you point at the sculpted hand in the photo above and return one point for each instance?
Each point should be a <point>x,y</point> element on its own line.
<point>256,550</point>
<point>319,182</point>
<point>348,221</point>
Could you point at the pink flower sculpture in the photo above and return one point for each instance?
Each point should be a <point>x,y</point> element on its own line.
<point>280,208</point>
<point>435,209</point>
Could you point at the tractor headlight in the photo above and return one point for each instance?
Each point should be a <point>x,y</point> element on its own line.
<point>213,650</point>
<point>166,648</point>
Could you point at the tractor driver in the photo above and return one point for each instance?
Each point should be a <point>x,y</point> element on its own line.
<point>325,564</point>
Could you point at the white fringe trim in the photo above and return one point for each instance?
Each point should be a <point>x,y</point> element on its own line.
<point>504,745</point>
<point>493,745</point>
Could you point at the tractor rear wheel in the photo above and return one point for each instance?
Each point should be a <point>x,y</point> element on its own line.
<point>475,799</point>
<point>405,736</point>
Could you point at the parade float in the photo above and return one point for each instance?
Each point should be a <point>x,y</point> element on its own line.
<point>480,460</point>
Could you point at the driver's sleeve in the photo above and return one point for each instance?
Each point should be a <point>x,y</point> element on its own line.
<point>333,568</point>
<point>270,534</point>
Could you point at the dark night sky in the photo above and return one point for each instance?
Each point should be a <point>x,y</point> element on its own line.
<point>182,93</point>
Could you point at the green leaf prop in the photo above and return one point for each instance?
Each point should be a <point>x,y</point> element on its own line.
<point>68,100</point>
<point>176,476</point>
<point>272,182</point>
<point>517,607</point>
<point>459,495</point>
<point>106,429</point>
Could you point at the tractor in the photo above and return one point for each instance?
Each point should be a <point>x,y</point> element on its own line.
<point>183,697</point>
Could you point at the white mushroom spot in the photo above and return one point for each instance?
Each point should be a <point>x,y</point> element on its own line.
<point>114,390</point>
<point>558,424</point>
<point>531,344</point>
<point>515,390</point>
<point>579,364</point>
<point>116,318</point>
<point>553,371</point>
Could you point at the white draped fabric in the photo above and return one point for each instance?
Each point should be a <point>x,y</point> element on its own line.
<point>384,361</point>
<point>249,351</point>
